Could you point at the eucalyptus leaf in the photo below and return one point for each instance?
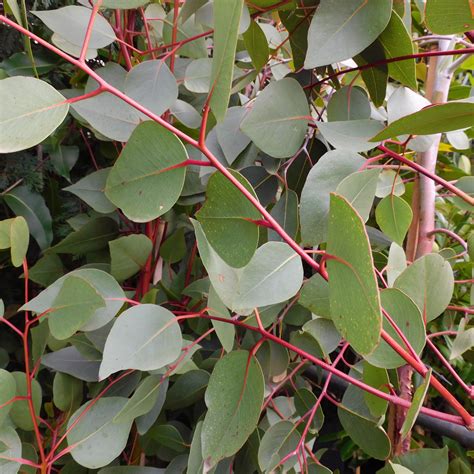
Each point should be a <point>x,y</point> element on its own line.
<point>233,398</point>
<point>429,281</point>
<point>227,14</point>
<point>31,110</point>
<point>132,182</point>
<point>435,119</point>
<point>353,293</point>
<point>226,219</point>
<point>128,255</point>
<point>277,122</point>
<point>91,190</point>
<point>323,179</point>
<point>339,31</point>
<point>145,337</point>
<point>96,439</point>
<point>71,23</point>
<point>32,207</point>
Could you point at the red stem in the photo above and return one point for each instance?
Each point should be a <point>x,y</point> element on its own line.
<point>446,184</point>
<point>425,54</point>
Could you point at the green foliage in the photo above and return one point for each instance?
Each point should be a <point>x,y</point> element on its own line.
<point>209,262</point>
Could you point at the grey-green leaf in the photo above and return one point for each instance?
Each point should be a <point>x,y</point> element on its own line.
<point>279,440</point>
<point>128,255</point>
<point>32,207</point>
<point>429,281</point>
<point>91,190</point>
<point>394,215</point>
<point>71,23</point>
<point>234,397</point>
<point>73,307</point>
<point>227,15</point>
<point>144,337</point>
<point>323,178</point>
<point>142,401</point>
<point>31,110</point>
<point>97,440</point>
<point>416,404</point>
<point>226,218</point>
<point>277,122</point>
<point>133,182</point>
<point>339,31</point>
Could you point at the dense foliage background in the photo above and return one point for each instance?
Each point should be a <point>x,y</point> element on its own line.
<point>236,236</point>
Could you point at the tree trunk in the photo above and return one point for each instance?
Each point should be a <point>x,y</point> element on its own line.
<point>420,239</point>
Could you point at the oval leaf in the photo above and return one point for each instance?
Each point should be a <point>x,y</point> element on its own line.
<point>353,292</point>
<point>234,398</point>
<point>96,439</point>
<point>31,110</point>
<point>339,30</point>
<point>277,123</point>
<point>146,189</point>
<point>145,337</point>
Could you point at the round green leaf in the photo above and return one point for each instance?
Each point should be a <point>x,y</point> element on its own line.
<point>103,283</point>
<point>226,219</point>
<point>106,113</point>
<point>146,189</point>
<point>73,307</point>
<point>67,392</point>
<point>144,337</point>
<point>348,103</point>
<point>339,30</point>
<point>71,24</point>
<point>153,85</point>
<point>407,317</point>
<point>322,179</point>
<point>277,122</point>
<point>371,438</point>
<point>394,215</point>
<point>234,398</point>
<point>128,255</point>
<point>31,111</point>
<point>350,135</point>
<point>429,282</point>
<point>142,401</point>
<point>315,296</point>
<point>274,274</point>
<point>434,461</point>
<point>359,190</point>
<point>96,440</point>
